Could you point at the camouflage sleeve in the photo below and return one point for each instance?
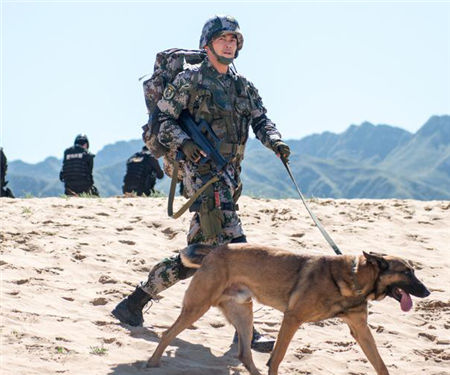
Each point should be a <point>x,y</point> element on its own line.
<point>175,99</point>
<point>264,129</point>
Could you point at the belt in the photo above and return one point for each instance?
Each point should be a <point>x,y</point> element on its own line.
<point>223,206</point>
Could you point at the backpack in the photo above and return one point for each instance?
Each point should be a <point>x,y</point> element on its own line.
<point>167,65</point>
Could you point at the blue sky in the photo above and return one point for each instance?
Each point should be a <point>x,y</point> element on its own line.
<point>72,67</point>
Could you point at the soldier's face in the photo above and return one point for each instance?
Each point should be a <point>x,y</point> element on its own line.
<point>225,45</point>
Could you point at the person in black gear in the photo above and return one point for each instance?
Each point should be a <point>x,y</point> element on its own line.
<point>4,191</point>
<point>76,172</point>
<point>142,171</point>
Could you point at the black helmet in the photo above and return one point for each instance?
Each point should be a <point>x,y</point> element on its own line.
<point>81,139</point>
<point>220,24</point>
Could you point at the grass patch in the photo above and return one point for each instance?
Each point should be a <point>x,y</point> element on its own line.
<point>61,350</point>
<point>157,194</point>
<point>26,210</point>
<point>96,350</point>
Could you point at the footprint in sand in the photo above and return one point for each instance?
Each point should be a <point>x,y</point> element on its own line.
<point>300,353</point>
<point>428,336</point>
<point>124,228</point>
<point>102,323</point>
<point>438,355</point>
<point>217,324</point>
<point>341,346</point>
<point>111,340</point>
<point>78,256</point>
<point>62,339</point>
<point>105,279</point>
<point>110,291</point>
<point>127,242</point>
<point>170,233</point>
<point>100,301</point>
<point>154,225</point>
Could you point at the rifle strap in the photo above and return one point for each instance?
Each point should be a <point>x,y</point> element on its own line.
<point>173,185</point>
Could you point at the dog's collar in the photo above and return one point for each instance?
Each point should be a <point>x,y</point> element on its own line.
<point>356,287</point>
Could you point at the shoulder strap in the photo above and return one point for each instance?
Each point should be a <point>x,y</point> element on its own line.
<point>191,200</point>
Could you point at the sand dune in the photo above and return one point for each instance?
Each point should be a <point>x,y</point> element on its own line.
<point>65,263</point>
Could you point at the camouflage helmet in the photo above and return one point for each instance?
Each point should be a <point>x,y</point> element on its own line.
<point>217,25</point>
<point>81,139</point>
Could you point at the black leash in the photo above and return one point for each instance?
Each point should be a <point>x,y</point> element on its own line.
<point>316,221</point>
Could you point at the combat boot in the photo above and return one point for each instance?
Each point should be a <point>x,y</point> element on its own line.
<point>129,310</point>
<point>259,342</point>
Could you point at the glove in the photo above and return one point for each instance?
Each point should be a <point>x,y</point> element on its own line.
<point>281,149</point>
<point>192,151</point>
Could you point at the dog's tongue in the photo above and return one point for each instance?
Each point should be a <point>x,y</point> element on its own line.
<point>406,301</point>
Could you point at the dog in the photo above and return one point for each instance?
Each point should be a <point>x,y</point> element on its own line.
<point>305,288</point>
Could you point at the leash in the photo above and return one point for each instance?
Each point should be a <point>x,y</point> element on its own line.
<point>316,221</point>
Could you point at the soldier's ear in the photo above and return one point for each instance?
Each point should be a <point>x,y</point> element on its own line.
<point>376,260</point>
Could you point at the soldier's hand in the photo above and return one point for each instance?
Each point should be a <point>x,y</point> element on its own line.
<point>281,149</point>
<point>192,151</point>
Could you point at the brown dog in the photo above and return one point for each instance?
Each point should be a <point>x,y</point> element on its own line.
<point>306,288</point>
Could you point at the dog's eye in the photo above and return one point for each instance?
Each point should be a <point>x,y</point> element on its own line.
<point>407,272</point>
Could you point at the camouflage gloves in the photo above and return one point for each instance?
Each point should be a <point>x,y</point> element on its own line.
<point>192,151</point>
<point>281,149</point>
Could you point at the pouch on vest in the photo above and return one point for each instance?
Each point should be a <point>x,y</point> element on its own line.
<point>211,219</point>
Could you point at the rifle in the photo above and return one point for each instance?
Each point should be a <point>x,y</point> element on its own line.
<point>203,135</point>
<point>199,133</point>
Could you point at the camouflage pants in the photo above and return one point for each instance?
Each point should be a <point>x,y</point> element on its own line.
<point>170,270</point>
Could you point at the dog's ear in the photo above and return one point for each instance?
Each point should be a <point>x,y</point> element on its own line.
<point>377,260</point>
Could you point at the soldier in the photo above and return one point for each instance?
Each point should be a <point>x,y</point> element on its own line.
<point>4,191</point>
<point>76,172</point>
<point>230,104</point>
<point>142,171</point>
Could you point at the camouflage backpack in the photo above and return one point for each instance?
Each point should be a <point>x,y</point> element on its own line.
<point>167,65</point>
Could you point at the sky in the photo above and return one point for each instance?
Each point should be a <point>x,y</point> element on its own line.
<point>70,67</point>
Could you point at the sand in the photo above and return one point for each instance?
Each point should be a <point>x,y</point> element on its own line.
<point>66,262</point>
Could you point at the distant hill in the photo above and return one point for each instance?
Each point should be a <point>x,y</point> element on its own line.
<point>365,161</point>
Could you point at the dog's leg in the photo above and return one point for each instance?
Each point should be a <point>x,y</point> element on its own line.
<point>240,315</point>
<point>187,317</point>
<point>288,328</point>
<point>359,329</point>
<point>197,301</point>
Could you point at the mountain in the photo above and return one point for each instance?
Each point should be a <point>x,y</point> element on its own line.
<point>365,161</point>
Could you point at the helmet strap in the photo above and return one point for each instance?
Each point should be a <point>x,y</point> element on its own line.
<point>221,59</point>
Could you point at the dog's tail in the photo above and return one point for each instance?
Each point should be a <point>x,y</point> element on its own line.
<point>192,256</point>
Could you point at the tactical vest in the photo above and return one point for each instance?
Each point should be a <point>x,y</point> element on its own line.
<point>138,177</point>
<point>222,100</point>
<point>76,173</point>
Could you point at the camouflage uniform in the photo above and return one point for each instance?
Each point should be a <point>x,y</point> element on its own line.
<point>230,104</point>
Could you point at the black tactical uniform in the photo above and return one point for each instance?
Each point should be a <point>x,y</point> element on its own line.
<point>142,171</point>
<point>4,191</point>
<point>76,172</point>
